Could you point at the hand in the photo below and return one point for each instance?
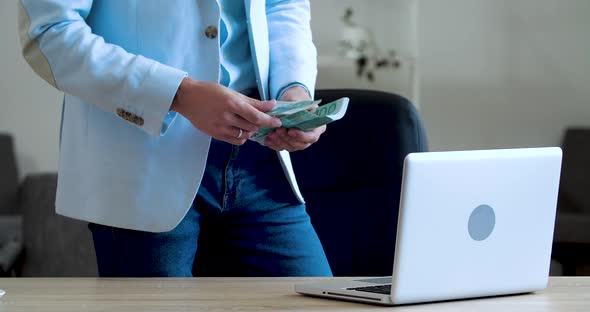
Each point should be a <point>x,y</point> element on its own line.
<point>221,112</point>
<point>294,139</point>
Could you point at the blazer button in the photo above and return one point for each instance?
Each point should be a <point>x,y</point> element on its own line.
<point>211,32</point>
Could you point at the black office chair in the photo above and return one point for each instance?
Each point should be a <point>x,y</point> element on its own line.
<point>351,179</point>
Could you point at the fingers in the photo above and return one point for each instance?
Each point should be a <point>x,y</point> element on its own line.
<point>278,143</point>
<point>249,111</point>
<point>241,123</point>
<point>311,136</point>
<point>263,106</point>
<point>247,115</point>
<point>234,136</point>
<point>293,139</point>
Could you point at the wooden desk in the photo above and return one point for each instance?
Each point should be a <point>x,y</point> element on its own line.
<point>247,294</point>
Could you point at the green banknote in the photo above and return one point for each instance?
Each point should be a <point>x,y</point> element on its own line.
<point>306,120</point>
<point>287,108</point>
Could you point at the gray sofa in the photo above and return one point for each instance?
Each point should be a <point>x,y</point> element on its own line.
<point>34,240</point>
<point>56,246</point>
<point>53,245</point>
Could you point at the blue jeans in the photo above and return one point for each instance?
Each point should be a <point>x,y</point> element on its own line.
<point>244,221</point>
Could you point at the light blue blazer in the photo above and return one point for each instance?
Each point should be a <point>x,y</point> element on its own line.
<point>125,160</point>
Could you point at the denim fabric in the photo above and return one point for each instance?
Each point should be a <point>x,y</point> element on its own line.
<point>245,221</point>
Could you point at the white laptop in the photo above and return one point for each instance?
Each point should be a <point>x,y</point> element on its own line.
<point>471,224</point>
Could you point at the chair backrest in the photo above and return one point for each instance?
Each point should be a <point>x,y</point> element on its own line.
<point>351,179</point>
<point>8,176</point>
<point>574,195</point>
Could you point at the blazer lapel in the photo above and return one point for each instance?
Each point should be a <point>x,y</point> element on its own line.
<point>258,34</point>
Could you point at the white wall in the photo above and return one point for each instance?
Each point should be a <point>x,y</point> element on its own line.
<point>29,108</point>
<point>504,73</point>
<point>495,73</point>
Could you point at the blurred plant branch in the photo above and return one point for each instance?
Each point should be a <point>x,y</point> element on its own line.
<point>358,43</point>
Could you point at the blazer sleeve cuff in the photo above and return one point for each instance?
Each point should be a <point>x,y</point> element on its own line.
<point>158,91</point>
<point>279,84</point>
<point>291,85</point>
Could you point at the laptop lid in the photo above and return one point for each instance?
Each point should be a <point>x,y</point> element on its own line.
<point>475,223</point>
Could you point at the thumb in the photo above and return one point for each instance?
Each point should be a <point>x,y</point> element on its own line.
<point>263,106</point>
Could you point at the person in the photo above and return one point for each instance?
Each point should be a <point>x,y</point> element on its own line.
<point>160,100</point>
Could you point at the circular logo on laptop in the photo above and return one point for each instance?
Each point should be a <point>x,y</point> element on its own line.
<point>481,222</point>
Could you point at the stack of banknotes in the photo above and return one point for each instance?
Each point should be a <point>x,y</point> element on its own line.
<point>299,115</point>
